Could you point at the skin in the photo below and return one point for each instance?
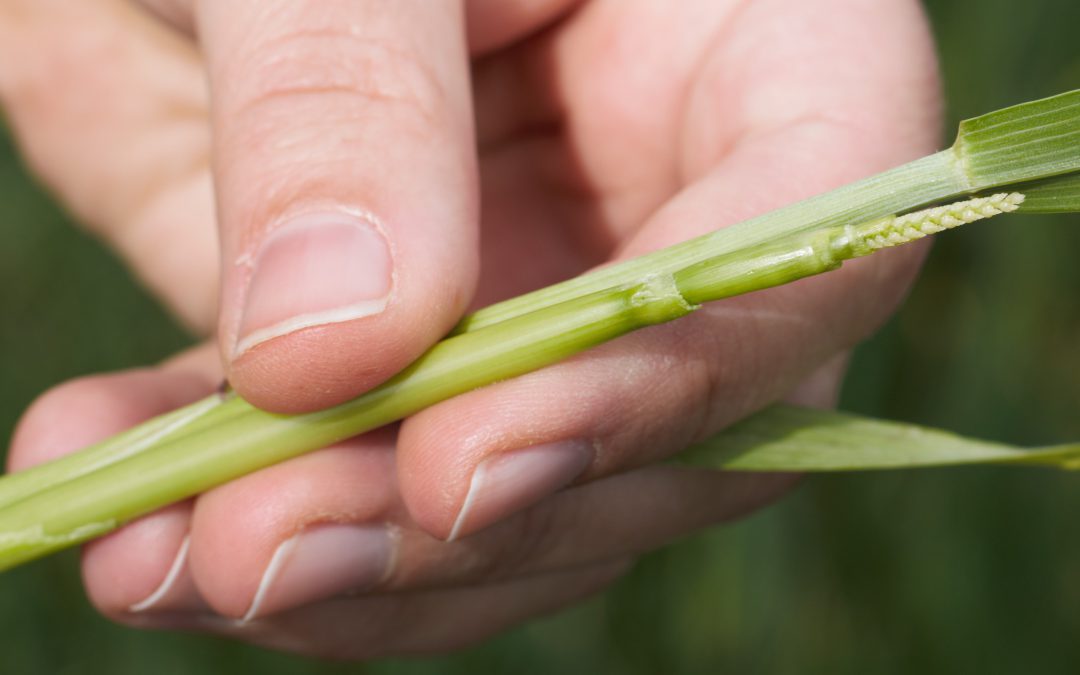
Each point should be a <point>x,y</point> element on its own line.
<point>584,132</point>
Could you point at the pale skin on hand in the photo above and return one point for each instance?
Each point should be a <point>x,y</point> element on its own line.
<point>623,127</point>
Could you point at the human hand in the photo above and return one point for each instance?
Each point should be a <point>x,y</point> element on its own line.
<point>604,130</point>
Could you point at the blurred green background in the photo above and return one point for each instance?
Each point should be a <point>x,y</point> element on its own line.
<point>951,571</point>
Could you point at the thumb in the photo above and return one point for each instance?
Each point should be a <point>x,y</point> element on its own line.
<point>346,177</point>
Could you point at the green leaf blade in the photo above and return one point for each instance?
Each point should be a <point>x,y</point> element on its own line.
<point>1030,140</point>
<point>1059,194</point>
<point>787,438</point>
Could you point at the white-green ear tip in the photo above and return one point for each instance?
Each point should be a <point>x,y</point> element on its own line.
<point>903,229</point>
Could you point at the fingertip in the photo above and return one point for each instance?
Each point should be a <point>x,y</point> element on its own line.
<point>335,303</point>
<point>434,471</point>
<point>142,568</point>
<point>84,411</point>
<point>134,568</point>
<point>321,366</point>
<point>471,462</point>
<point>290,533</point>
<point>509,482</point>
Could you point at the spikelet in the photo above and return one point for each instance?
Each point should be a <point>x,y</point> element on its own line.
<point>916,225</point>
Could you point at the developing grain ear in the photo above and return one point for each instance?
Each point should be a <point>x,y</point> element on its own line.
<point>898,230</point>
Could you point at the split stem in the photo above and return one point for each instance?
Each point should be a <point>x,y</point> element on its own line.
<point>214,441</point>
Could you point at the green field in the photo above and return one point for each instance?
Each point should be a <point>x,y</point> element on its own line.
<point>945,571</point>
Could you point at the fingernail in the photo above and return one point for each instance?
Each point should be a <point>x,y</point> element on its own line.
<point>323,562</point>
<point>511,481</point>
<point>176,591</point>
<point>315,269</point>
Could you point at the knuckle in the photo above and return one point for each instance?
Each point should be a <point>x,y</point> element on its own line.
<point>368,77</point>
